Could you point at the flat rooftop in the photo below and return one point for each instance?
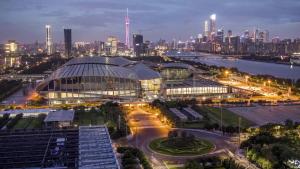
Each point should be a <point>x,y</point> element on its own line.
<point>60,116</point>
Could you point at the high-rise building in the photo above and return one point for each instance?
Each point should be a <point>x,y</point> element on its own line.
<point>68,42</point>
<point>206,30</point>
<point>229,33</point>
<point>138,45</point>
<point>11,58</point>
<point>212,29</point>
<point>127,22</point>
<point>11,47</point>
<point>49,45</point>
<point>267,36</point>
<point>220,36</point>
<point>112,44</point>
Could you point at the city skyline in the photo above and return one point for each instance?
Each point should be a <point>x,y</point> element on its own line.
<point>96,20</point>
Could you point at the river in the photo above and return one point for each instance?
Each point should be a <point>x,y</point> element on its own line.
<point>252,67</point>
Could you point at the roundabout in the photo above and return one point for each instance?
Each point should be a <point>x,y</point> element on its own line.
<point>179,146</point>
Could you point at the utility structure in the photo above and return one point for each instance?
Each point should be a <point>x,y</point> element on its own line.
<point>127,42</point>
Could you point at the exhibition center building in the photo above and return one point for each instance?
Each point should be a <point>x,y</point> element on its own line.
<point>89,79</point>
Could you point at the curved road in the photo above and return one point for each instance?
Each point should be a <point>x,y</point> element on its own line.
<point>146,127</point>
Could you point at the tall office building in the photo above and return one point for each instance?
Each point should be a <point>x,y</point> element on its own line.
<point>11,58</point>
<point>11,47</point>
<point>229,33</point>
<point>267,36</point>
<point>220,36</point>
<point>68,42</point>
<point>112,44</point>
<point>206,30</point>
<point>212,29</point>
<point>138,46</point>
<point>49,45</point>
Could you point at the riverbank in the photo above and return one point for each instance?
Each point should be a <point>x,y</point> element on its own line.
<point>269,61</point>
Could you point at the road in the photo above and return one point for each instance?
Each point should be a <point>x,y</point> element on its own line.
<point>146,127</point>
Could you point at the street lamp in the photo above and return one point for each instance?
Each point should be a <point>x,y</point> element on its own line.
<point>269,81</point>
<point>247,77</point>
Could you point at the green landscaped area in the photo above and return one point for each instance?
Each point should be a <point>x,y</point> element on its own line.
<point>30,122</point>
<point>229,118</point>
<point>181,147</point>
<point>93,117</point>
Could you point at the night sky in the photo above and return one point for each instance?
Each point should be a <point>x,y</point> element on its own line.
<point>90,20</point>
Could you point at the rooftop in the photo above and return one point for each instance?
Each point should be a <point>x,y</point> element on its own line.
<point>177,65</point>
<point>95,148</point>
<point>143,72</point>
<point>60,116</point>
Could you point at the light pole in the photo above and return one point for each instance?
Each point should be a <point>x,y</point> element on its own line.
<point>246,78</point>
<point>239,130</point>
<point>221,114</point>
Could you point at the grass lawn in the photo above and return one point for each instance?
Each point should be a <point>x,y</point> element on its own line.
<point>179,147</point>
<point>87,118</point>
<point>229,118</point>
<point>23,123</point>
<point>194,125</point>
<point>35,124</point>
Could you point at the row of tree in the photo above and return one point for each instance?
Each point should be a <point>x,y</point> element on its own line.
<point>274,145</point>
<point>212,162</point>
<point>132,158</point>
<point>9,87</point>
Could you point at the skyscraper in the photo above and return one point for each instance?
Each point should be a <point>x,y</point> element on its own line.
<point>267,36</point>
<point>212,26</point>
<point>112,44</point>
<point>206,31</point>
<point>220,35</point>
<point>127,42</point>
<point>49,45</point>
<point>68,42</point>
<point>138,46</point>
<point>229,33</point>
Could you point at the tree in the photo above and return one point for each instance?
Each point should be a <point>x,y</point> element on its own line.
<point>193,165</point>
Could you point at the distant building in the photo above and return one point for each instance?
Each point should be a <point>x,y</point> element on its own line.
<point>220,36</point>
<point>68,42</point>
<point>49,44</point>
<point>138,46</point>
<point>11,51</point>
<point>213,25</point>
<point>112,45</point>
<point>206,30</point>
<point>11,47</point>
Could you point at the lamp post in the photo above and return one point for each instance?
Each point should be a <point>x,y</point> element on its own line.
<point>246,78</point>
<point>226,73</point>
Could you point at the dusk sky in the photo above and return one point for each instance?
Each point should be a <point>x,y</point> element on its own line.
<point>90,20</point>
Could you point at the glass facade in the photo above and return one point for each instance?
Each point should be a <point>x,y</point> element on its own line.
<point>197,90</point>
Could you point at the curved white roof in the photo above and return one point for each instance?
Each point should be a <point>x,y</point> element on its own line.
<point>116,61</point>
<point>92,69</point>
<point>144,72</point>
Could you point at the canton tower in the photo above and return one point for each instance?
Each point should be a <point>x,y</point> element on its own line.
<point>127,42</point>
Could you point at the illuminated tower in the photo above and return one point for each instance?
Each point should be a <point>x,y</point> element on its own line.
<point>49,46</point>
<point>127,42</point>
<point>206,31</point>
<point>212,26</point>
